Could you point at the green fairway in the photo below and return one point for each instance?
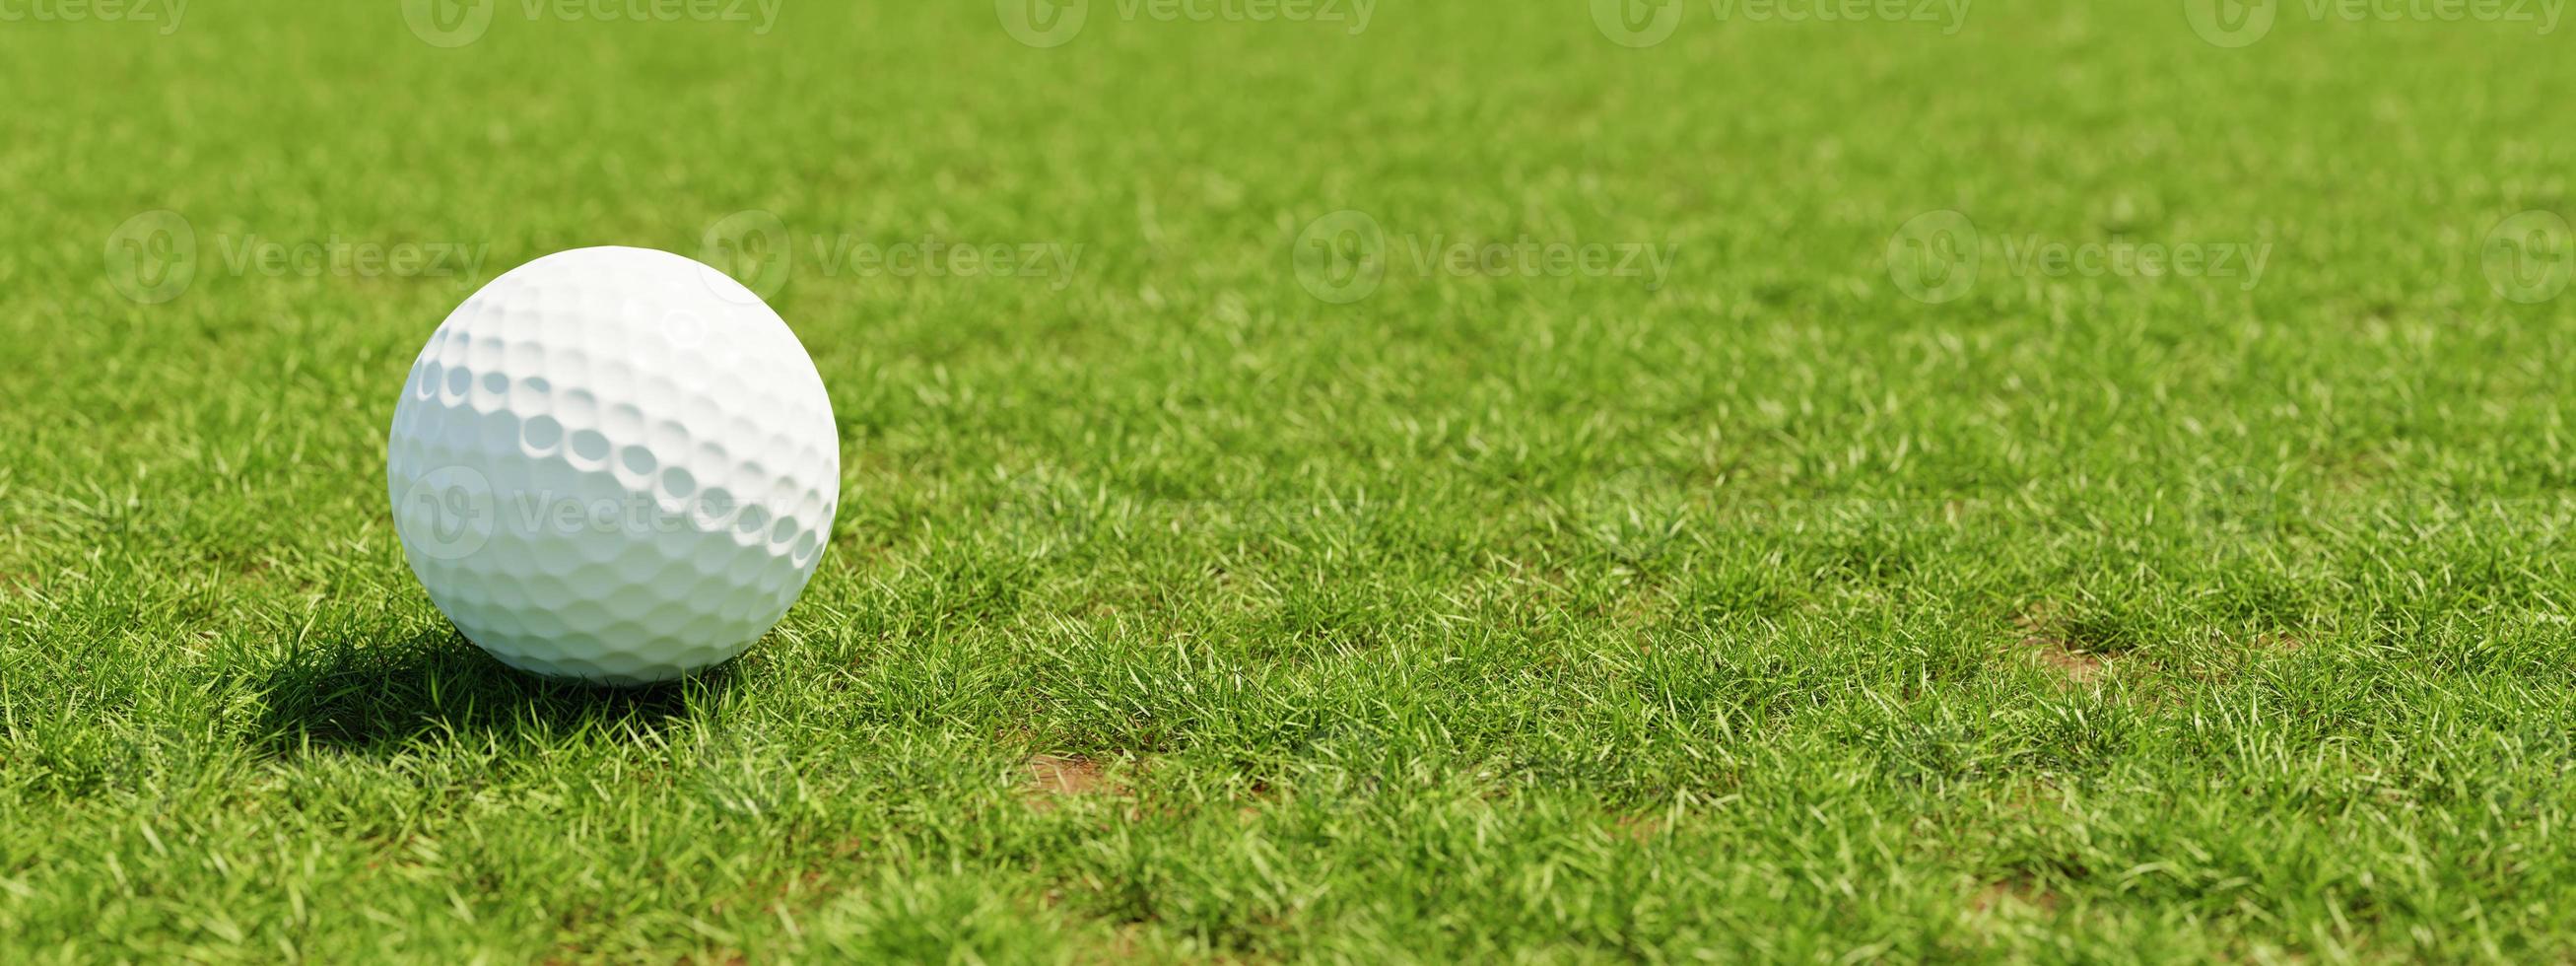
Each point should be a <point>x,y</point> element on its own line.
<point>1405,481</point>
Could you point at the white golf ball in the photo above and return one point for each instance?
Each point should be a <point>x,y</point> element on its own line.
<point>613,464</point>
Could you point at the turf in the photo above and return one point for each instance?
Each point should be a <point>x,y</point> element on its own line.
<point>1754,609</point>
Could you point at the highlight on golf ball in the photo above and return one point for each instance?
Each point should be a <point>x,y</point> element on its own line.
<point>615,465</point>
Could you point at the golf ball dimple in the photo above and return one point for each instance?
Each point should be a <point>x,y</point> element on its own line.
<point>615,465</point>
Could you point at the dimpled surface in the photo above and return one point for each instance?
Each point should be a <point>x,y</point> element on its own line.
<point>613,464</point>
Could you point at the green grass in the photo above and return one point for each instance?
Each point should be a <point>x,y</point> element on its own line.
<point>1756,612</point>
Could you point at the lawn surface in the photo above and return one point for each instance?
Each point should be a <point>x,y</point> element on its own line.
<point>1235,579</point>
